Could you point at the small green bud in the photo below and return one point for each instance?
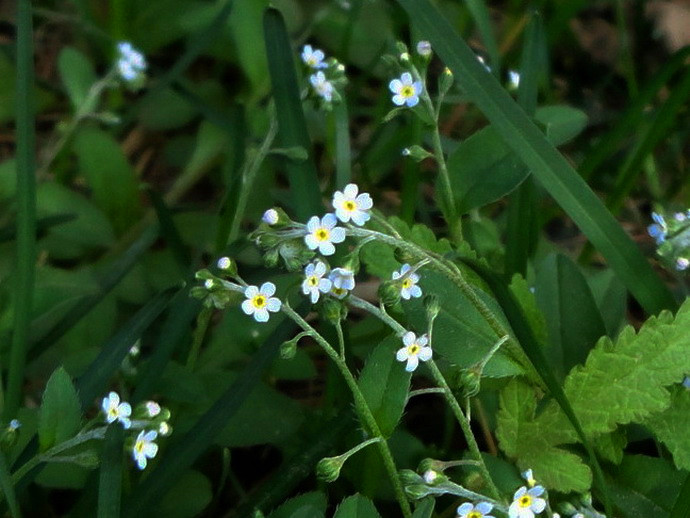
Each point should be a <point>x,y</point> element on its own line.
<point>401,47</point>
<point>10,434</point>
<point>198,292</point>
<point>204,275</point>
<point>427,464</point>
<point>389,293</point>
<point>87,459</point>
<point>404,257</point>
<point>328,469</point>
<point>416,153</point>
<point>288,349</point>
<point>445,81</point>
<point>474,482</point>
<point>417,491</point>
<point>432,305</point>
<point>164,414</point>
<point>332,310</point>
<point>470,382</point>
<point>271,258</point>
<point>258,514</point>
<point>409,477</point>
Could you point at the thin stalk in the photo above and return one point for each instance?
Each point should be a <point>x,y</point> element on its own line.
<point>363,409</point>
<point>26,210</point>
<point>450,488</point>
<point>420,392</point>
<point>202,322</point>
<point>341,340</point>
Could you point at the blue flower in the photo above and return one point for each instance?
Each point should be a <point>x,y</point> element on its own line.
<point>659,229</point>
<point>259,301</point>
<point>313,58</point>
<point>314,284</point>
<point>526,503</point>
<point>481,510</point>
<point>322,233</point>
<point>322,86</point>
<point>408,284</point>
<point>406,90</point>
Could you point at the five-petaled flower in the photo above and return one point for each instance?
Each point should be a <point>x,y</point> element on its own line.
<point>260,301</point>
<point>314,283</point>
<point>415,349</point>
<point>349,205</point>
<point>116,411</point>
<point>144,447</point>
<point>658,229</point>
<point>405,90</point>
<point>322,233</point>
<point>481,510</point>
<point>526,502</point>
<point>408,285</point>
<point>313,58</point>
<point>322,86</point>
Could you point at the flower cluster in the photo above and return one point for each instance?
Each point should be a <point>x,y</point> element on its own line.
<point>672,236</point>
<point>149,418</point>
<point>131,64</point>
<point>327,74</point>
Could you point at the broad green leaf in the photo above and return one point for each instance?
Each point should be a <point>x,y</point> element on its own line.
<point>165,109</point>
<point>547,165</point>
<point>561,123</point>
<point>78,75</point>
<point>308,505</point>
<point>672,427</point>
<point>612,299</point>
<point>573,318</point>
<point>187,498</point>
<point>483,169</point>
<point>356,506</point>
<point>385,385</point>
<point>113,181</point>
<point>245,22</point>
<point>681,508</point>
<point>60,411</point>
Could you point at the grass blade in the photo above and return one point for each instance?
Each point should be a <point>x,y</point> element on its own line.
<point>292,128</point>
<point>202,434</point>
<point>548,166</point>
<point>343,154</point>
<point>110,475</point>
<point>8,488</point>
<point>26,209</point>
<point>528,342</point>
<point>681,509</point>
<point>93,381</point>
<point>480,14</point>
<point>170,233</point>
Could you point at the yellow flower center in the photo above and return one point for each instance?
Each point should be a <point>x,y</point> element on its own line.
<point>112,412</point>
<point>407,283</point>
<point>259,301</point>
<point>525,501</point>
<point>311,61</point>
<point>407,91</point>
<point>313,280</point>
<point>413,349</point>
<point>322,234</point>
<point>338,291</point>
<point>475,514</point>
<point>349,205</point>
<point>139,446</point>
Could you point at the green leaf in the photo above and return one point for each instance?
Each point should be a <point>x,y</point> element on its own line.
<point>60,415</point>
<point>113,181</point>
<point>483,169</point>
<point>548,166</point>
<point>77,74</point>
<point>672,427</point>
<point>425,508</point>
<point>356,506</point>
<point>8,488</point>
<point>245,22</point>
<point>385,385</point>
<point>187,498</point>
<point>110,476</point>
<point>308,505</point>
<point>292,128</point>
<point>681,508</point>
<point>612,299</point>
<point>528,303</point>
<point>572,316</point>
<point>561,123</point>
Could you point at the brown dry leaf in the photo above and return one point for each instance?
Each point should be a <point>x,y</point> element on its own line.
<point>672,20</point>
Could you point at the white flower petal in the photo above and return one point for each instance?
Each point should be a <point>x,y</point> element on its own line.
<point>465,508</point>
<point>329,221</point>
<point>326,248</point>
<point>309,269</point>
<point>409,338</point>
<point>536,491</point>
<point>425,354</point>
<point>364,201</point>
<point>412,101</point>
<point>311,241</point>
<point>261,315</point>
<point>412,363</point>
<point>150,450</point>
<point>151,435</point>
<point>338,235</point>
<point>141,460</point>
<point>313,224</point>
<point>248,307</point>
<point>325,285</point>
<point>342,214</point>
<point>320,268</point>
<point>267,289</point>
<point>350,191</point>
<point>422,340</point>
<point>251,291</point>
<point>124,409</point>
<point>406,78</point>
<point>395,86</point>
<point>314,296</point>
<point>360,217</point>
<point>398,100</point>
<point>402,354</point>
<point>415,291</point>
<point>484,507</point>
<point>538,505</point>
<point>273,304</point>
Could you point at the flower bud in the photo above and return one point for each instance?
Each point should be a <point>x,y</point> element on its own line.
<point>445,81</point>
<point>10,435</point>
<point>417,153</point>
<point>424,49</point>
<point>270,217</point>
<point>432,305</point>
<point>332,310</point>
<point>87,459</point>
<point>227,266</point>
<point>271,258</point>
<point>417,491</point>
<point>470,381</point>
<point>408,477</point>
<point>203,275</point>
<point>198,292</point>
<point>403,256</point>
<point>389,293</point>
<point>288,349</point>
<point>401,47</point>
<point>164,429</point>
<point>328,469</point>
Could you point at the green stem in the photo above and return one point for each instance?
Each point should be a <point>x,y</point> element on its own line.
<point>464,425</point>
<point>451,488</point>
<point>377,312</point>
<point>363,409</point>
<point>202,322</point>
<point>341,339</point>
<point>420,392</point>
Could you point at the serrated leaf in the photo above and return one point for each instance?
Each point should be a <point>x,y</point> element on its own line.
<point>385,385</point>
<point>308,505</point>
<point>60,414</point>
<point>672,427</point>
<point>356,506</point>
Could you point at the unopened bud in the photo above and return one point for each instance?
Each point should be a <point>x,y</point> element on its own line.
<point>164,429</point>
<point>332,310</point>
<point>409,477</point>
<point>288,349</point>
<point>470,382</point>
<point>445,81</point>
<point>87,459</point>
<point>328,469</point>
<point>227,265</point>
<point>424,48</point>
<point>389,293</point>
<point>270,217</point>
<point>403,256</point>
<point>417,153</point>
<point>430,476</point>
<point>417,491</point>
<point>203,275</point>
<point>404,56</point>
<point>401,47</point>
<point>271,258</point>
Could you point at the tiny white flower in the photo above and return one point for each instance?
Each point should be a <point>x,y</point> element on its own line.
<point>208,284</point>
<point>513,79</point>
<point>322,233</point>
<point>131,63</point>
<point>408,286</point>
<point>116,411</point>
<point>404,56</point>
<point>529,478</point>
<point>322,86</point>
<point>415,349</point>
<point>342,282</point>
<point>429,476</point>
<point>270,217</point>
<point>481,60</point>
<point>153,408</point>
<point>349,205</point>
<point>679,216</point>
<point>224,263</point>
<point>314,283</point>
<point>682,263</point>
<point>144,447</point>
<point>313,58</point>
<point>164,429</point>
<point>526,503</point>
<point>481,510</point>
<point>14,425</point>
<point>406,151</point>
<point>405,90</point>
<point>424,48</point>
<point>557,515</point>
<point>134,350</point>
<point>260,301</point>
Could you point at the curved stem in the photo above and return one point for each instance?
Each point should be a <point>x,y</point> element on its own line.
<point>202,322</point>
<point>363,409</point>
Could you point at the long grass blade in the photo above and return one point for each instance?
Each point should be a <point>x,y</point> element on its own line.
<point>530,345</point>
<point>8,488</point>
<point>548,166</point>
<point>681,508</point>
<point>481,16</point>
<point>26,209</point>
<point>170,233</point>
<point>110,475</point>
<point>343,153</point>
<point>202,434</point>
<point>292,128</point>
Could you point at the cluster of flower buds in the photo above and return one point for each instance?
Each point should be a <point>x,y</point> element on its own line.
<point>131,65</point>
<point>148,418</point>
<point>672,235</point>
<point>9,434</point>
<point>327,76</point>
